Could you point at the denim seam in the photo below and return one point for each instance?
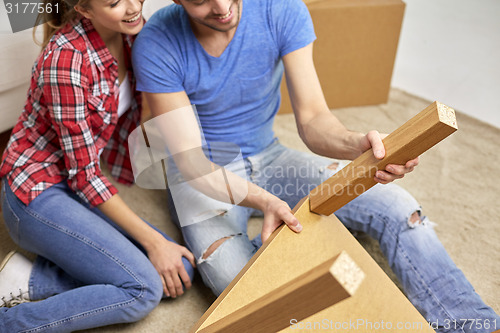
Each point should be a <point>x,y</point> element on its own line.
<point>428,289</point>
<point>13,213</point>
<point>80,315</point>
<point>93,245</point>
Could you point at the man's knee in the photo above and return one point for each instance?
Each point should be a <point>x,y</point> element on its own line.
<point>220,262</point>
<point>215,245</point>
<point>414,219</point>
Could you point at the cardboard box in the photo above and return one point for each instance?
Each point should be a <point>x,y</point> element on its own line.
<point>355,50</point>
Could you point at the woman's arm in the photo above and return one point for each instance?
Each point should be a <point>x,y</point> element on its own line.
<point>66,96</point>
<point>165,256</point>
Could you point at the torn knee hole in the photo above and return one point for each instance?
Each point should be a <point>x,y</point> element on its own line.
<point>333,166</point>
<point>211,249</point>
<point>414,219</point>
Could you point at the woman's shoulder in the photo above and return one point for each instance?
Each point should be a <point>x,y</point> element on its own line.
<point>77,42</point>
<point>74,37</point>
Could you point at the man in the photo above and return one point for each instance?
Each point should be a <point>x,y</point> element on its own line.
<point>227,58</point>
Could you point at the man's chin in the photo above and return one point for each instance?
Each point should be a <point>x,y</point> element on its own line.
<point>221,27</point>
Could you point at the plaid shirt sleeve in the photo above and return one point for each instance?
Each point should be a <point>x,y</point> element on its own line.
<point>65,75</point>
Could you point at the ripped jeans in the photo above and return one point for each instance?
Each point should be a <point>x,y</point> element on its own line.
<point>431,281</point>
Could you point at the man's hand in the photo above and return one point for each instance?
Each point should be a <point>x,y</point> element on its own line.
<point>275,213</point>
<point>373,140</point>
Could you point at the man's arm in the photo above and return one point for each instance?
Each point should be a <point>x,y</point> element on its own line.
<point>182,136</point>
<point>320,130</point>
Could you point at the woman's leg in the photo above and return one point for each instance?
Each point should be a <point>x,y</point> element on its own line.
<point>114,280</point>
<point>187,265</point>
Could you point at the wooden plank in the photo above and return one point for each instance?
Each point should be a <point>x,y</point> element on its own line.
<point>321,287</point>
<point>420,133</point>
<point>286,255</point>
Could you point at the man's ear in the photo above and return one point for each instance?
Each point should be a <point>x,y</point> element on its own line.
<point>177,2</point>
<point>85,12</point>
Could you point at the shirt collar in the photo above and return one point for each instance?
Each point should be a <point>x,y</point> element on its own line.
<point>103,57</point>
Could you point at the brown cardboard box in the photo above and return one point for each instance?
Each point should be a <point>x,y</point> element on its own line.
<point>355,50</point>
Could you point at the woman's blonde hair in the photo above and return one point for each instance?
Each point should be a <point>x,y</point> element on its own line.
<point>54,20</point>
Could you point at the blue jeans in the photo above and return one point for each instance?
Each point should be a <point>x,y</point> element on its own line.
<point>88,272</point>
<point>432,282</point>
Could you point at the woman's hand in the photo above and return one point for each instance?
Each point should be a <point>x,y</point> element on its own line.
<point>276,211</point>
<point>373,140</point>
<point>166,257</point>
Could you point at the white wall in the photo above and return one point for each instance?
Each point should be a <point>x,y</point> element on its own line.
<point>18,52</point>
<point>449,50</point>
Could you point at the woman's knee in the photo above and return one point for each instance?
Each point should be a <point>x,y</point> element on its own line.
<point>146,291</point>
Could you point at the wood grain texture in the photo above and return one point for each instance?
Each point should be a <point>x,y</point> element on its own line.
<point>417,135</point>
<point>321,287</point>
<point>287,255</point>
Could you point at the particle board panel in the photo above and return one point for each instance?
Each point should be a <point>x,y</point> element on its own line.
<point>378,304</point>
<point>313,291</point>
<point>287,255</point>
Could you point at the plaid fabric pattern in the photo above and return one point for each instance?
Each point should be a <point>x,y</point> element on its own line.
<point>70,114</point>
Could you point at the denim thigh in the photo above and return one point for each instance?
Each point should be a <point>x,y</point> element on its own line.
<point>118,282</point>
<point>219,220</point>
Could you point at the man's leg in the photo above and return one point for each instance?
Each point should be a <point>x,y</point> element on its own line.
<point>220,242</point>
<point>391,215</point>
<point>289,174</point>
<point>431,280</point>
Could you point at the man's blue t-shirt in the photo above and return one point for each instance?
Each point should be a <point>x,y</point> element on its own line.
<point>237,94</point>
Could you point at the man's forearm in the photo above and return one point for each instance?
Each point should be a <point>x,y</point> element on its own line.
<point>326,135</point>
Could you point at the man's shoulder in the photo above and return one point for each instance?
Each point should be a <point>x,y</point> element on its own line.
<point>166,18</point>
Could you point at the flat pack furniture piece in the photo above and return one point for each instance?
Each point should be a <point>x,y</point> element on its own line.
<point>377,304</point>
<point>319,288</point>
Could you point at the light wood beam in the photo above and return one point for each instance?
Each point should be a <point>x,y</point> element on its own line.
<point>417,135</point>
<point>287,255</point>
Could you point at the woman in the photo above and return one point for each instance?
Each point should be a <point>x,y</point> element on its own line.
<point>92,267</point>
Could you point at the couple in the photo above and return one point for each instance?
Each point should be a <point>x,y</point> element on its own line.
<point>99,263</point>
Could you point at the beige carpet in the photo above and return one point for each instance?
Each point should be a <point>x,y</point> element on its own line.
<point>457,184</point>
